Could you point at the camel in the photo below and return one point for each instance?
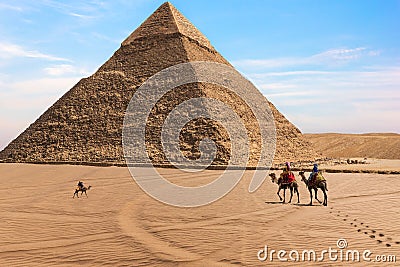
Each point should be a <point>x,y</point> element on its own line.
<point>82,190</point>
<point>292,186</point>
<point>320,184</point>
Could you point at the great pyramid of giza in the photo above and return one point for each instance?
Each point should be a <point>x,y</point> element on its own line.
<point>85,124</point>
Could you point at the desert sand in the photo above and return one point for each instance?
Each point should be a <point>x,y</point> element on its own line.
<point>364,165</point>
<point>372,145</point>
<point>119,225</point>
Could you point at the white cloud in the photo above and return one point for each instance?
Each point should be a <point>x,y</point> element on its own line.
<point>270,63</point>
<point>81,16</point>
<point>374,53</point>
<point>339,54</point>
<point>274,86</point>
<point>63,69</point>
<point>288,73</point>
<point>8,50</point>
<point>329,57</point>
<point>11,7</point>
<point>78,9</point>
<point>377,80</point>
<point>290,94</point>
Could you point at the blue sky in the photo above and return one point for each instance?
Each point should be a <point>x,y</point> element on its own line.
<point>329,66</point>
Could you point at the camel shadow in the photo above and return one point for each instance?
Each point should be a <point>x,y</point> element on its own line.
<point>274,202</point>
<point>305,205</point>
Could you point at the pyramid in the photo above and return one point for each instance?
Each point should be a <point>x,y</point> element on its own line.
<point>85,124</point>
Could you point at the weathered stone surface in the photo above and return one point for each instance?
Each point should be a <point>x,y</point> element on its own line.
<point>85,125</point>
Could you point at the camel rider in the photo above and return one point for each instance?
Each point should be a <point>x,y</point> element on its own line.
<point>313,174</point>
<point>287,174</point>
<point>80,185</point>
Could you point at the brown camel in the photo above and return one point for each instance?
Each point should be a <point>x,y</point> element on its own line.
<point>82,190</point>
<point>319,184</point>
<point>291,186</point>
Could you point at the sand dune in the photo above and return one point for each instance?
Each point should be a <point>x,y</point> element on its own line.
<point>374,145</point>
<point>119,225</point>
<point>366,165</point>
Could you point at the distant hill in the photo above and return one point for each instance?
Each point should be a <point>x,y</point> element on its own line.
<point>370,145</point>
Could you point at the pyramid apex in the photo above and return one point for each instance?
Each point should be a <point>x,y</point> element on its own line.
<point>168,3</point>
<point>168,20</point>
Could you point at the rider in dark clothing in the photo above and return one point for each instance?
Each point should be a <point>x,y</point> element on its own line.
<point>80,185</point>
<point>313,174</point>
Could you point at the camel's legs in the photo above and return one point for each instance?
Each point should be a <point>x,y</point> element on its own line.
<point>280,198</point>
<point>325,197</point>
<point>316,195</point>
<point>77,193</point>
<point>291,194</point>
<point>284,195</point>
<point>310,190</point>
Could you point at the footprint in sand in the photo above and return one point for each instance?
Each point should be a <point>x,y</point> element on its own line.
<point>366,226</point>
<point>366,232</point>
<point>372,231</point>
<point>387,244</point>
<point>380,235</point>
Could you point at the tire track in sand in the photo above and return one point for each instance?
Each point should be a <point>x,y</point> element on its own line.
<point>129,223</point>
